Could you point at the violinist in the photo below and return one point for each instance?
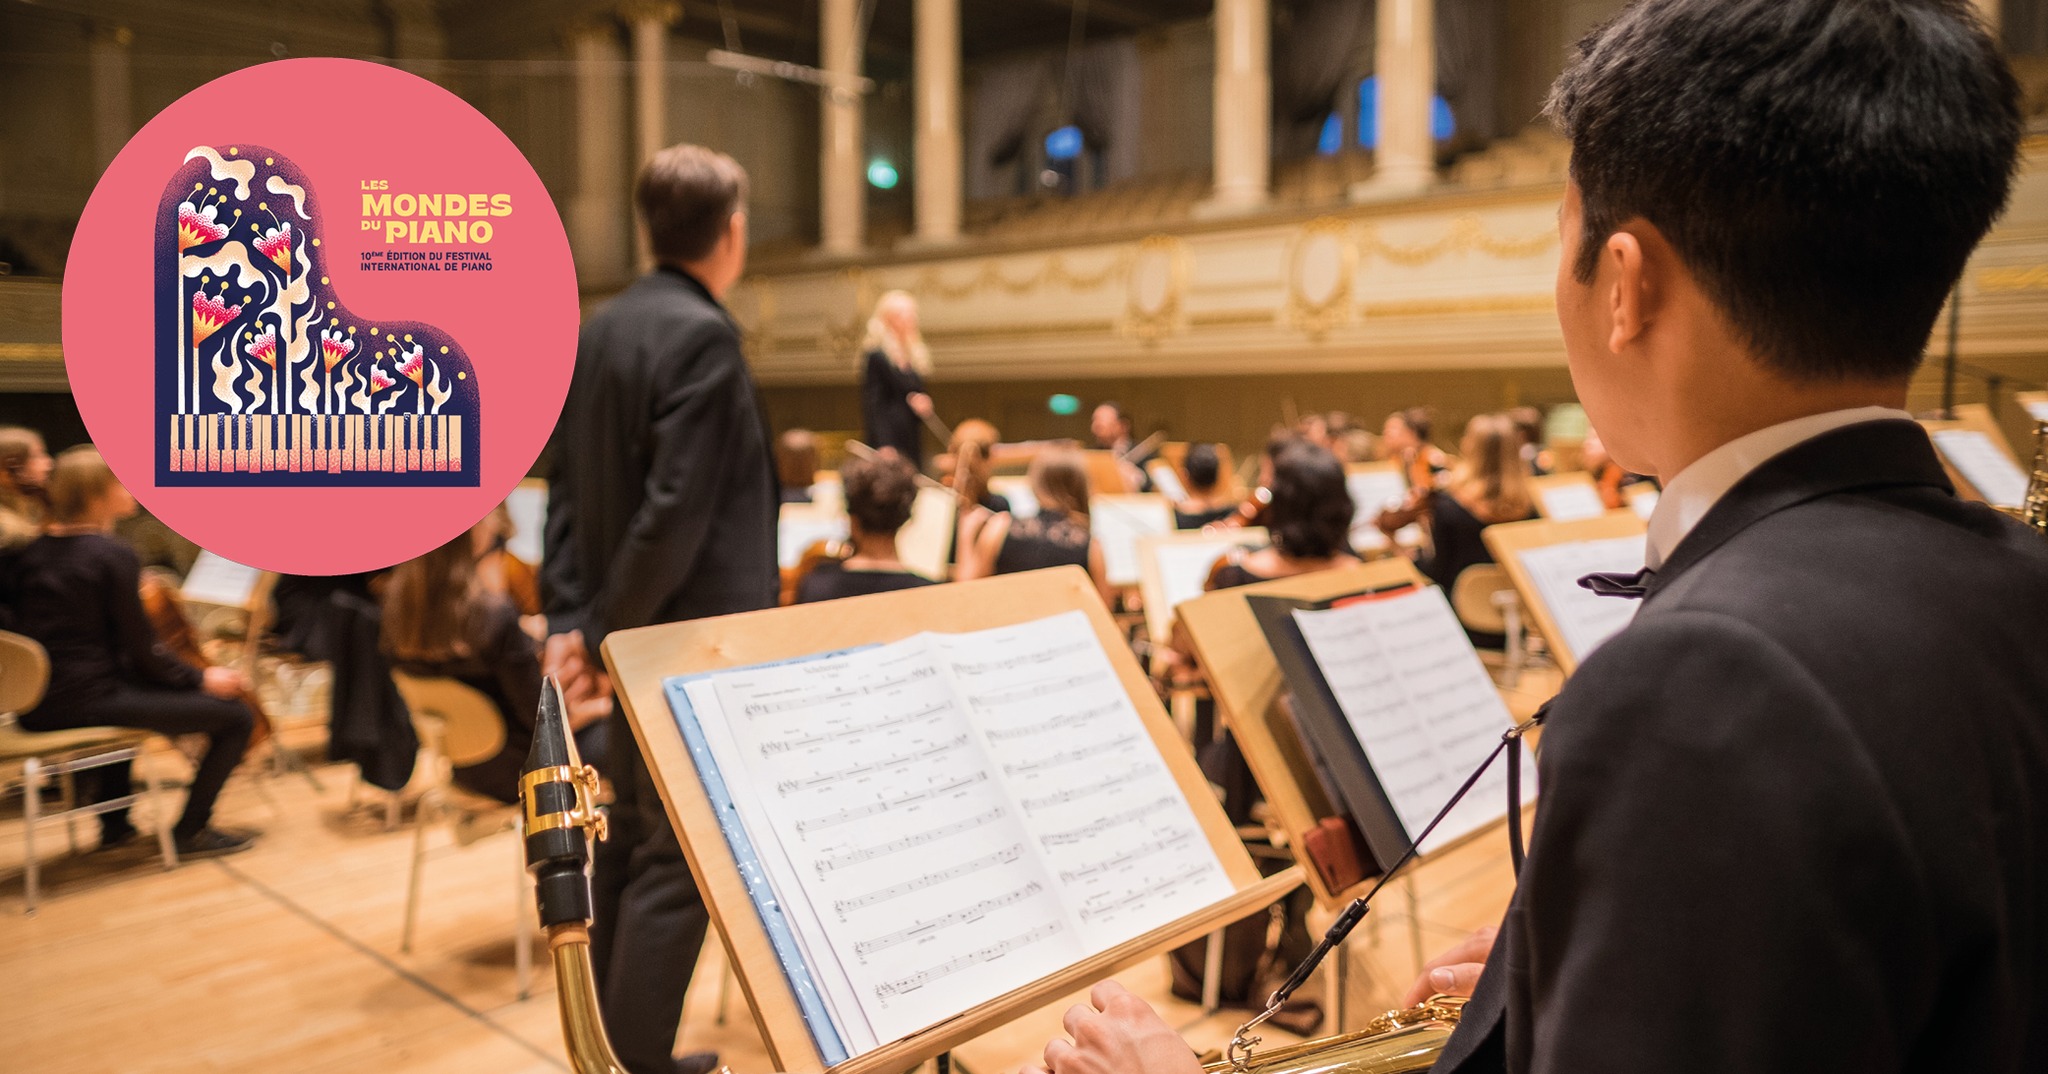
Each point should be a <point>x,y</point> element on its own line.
<point>1208,502</point>
<point>1112,429</point>
<point>880,493</point>
<point>1489,485</point>
<point>1404,438</point>
<point>1057,536</point>
<point>1609,477</point>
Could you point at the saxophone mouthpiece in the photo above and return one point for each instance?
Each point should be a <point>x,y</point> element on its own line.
<point>561,815</point>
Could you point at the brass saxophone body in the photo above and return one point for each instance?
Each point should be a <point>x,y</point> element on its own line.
<point>2033,510</point>
<point>1397,1042</point>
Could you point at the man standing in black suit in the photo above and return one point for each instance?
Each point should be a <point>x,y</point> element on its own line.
<point>1795,817</point>
<point>662,504</point>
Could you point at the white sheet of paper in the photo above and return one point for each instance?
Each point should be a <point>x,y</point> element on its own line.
<point>1420,702</point>
<point>798,530</point>
<point>528,506</point>
<point>1572,500</point>
<point>1984,465</point>
<point>217,580</point>
<point>951,817</point>
<point>1184,567</point>
<point>2037,409</point>
<point>1166,481</point>
<point>1116,522</point>
<point>1017,490</point>
<point>1373,491</point>
<point>1585,619</point>
<point>925,541</point>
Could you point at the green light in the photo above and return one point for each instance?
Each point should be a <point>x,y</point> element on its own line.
<point>882,174</point>
<point>1063,405</point>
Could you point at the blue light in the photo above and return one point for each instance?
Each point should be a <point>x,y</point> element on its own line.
<point>882,175</point>
<point>1442,123</point>
<point>1332,138</point>
<point>1064,143</point>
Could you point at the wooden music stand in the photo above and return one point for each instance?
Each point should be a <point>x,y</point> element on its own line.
<point>1158,590</point>
<point>1509,540</point>
<point>1106,475</point>
<point>1245,680</point>
<point>1567,497</point>
<point>640,661</point>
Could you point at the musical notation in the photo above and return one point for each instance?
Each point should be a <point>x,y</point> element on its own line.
<point>822,779</point>
<point>1584,618</point>
<point>993,951</point>
<point>1071,719</point>
<point>1023,660</point>
<point>1137,853</point>
<point>1075,794</point>
<point>966,913</point>
<point>1067,757</point>
<point>1034,690</point>
<point>835,862</point>
<point>313,443</point>
<point>1075,835</point>
<point>1102,907</point>
<point>856,731</point>
<point>811,701</point>
<point>966,868</point>
<point>839,817</point>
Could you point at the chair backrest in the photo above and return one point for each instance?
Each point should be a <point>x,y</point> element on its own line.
<point>24,672</point>
<point>470,728</point>
<point>1472,597</point>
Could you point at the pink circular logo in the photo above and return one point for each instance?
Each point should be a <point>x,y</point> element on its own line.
<point>320,316</point>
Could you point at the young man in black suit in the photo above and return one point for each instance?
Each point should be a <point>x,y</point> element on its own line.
<point>1795,817</point>
<point>662,504</point>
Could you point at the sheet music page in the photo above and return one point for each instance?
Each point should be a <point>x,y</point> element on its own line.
<point>1103,811</point>
<point>797,530</point>
<point>216,580</point>
<point>1420,702</point>
<point>925,541</point>
<point>1571,500</point>
<point>1374,491</point>
<point>919,874</point>
<point>1017,490</point>
<point>1585,619</point>
<point>1984,465</point>
<point>2037,409</point>
<point>1166,480</point>
<point>528,506</point>
<point>1116,522</point>
<point>1184,567</point>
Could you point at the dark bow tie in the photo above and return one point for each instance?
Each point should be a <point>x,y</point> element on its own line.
<point>1626,586</point>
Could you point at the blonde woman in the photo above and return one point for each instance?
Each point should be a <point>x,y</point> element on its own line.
<point>893,403</point>
<point>1488,485</point>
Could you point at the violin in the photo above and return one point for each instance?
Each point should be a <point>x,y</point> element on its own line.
<point>1609,480</point>
<point>1252,512</point>
<point>166,610</point>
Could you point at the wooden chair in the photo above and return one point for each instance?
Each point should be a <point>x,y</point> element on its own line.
<point>29,757</point>
<point>1486,602</point>
<point>459,726</point>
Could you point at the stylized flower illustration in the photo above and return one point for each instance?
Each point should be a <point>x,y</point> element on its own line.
<point>379,380</point>
<point>196,225</point>
<point>412,363</point>
<point>263,347</point>
<point>209,313</point>
<point>276,244</point>
<point>335,347</point>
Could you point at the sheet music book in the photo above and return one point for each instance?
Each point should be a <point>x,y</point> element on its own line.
<point>1585,618</point>
<point>1984,465</point>
<point>1567,500</point>
<point>1396,709</point>
<point>1116,522</point>
<point>528,505</point>
<point>217,580</point>
<point>943,819</point>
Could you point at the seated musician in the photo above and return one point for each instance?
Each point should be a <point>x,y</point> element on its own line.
<point>1609,477</point>
<point>77,590</point>
<point>880,493</point>
<point>967,467</point>
<point>450,614</point>
<point>1529,424</point>
<point>1489,485</point>
<point>1794,818</point>
<point>1113,431</point>
<point>1308,519</point>
<point>1404,438</point>
<point>796,464</point>
<point>24,467</point>
<point>1208,501</point>
<point>1057,536</point>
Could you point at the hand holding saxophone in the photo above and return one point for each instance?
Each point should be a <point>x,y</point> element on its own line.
<point>1456,971</point>
<point>1116,1033</point>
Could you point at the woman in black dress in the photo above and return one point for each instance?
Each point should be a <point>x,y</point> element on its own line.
<point>895,361</point>
<point>1057,536</point>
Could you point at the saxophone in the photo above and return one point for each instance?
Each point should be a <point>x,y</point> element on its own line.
<point>2033,510</point>
<point>561,819</point>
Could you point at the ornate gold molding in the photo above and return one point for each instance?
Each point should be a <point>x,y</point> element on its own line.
<point>1152,321</point>
<point>1436,307</point>
<point>1467,234</point>
<point>1316,316</point>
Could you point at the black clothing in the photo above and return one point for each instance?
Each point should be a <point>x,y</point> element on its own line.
<point>831,580</point>
<point>1047,539</point>
<point>885,390</point>
<point>79,596</point>
<point>503,665</point>
<point>1454,533</point>
<point>1795,816</point>
<point>662,506</point>
<point>1194,520</point>
<point>796,495</point>
<point>368,723</point>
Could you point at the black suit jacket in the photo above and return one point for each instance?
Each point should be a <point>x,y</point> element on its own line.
<point>662,495</point>
<point>1795,817</point>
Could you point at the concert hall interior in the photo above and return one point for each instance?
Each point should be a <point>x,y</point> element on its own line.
<point>1233,422</point>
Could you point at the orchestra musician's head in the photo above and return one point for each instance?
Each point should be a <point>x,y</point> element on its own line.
<point>796,458</point>
<point>24,460</point>
<point>881,491</point>
<point>1203,467</point>
<point>1406,430</point>
<point>84,492</point>
<point>1059,481</point>
<point>693,202</point>
<point>1110,426</point>
<point>1769,203</point>
<point>973,441</point>
<point>1492,475</point>
<point>1310,513</point>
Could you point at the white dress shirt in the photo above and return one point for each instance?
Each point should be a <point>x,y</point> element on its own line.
<point>1688,497</point>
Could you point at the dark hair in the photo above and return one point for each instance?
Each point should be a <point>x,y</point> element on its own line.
<point>796,458</point>
<point>1822,167</point>
<point>1529,423</point>
<point>430,604</point>
<point>1310,516</point>
<point>687,195</point>
<point>1418,419</point>
<point>1059,479</point>
<point>880,492</point>
<point>1202,466</point>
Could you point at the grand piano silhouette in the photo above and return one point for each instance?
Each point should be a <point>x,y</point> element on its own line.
<point>264,377</point>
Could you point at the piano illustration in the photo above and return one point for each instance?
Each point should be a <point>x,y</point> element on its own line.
<point>264,377</point>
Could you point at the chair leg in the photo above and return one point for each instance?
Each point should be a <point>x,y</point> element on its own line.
<point>522,930</point>
<point>153,788</point>
<point>31,809</point>
<point>67,785</point>
<point>419,857</point>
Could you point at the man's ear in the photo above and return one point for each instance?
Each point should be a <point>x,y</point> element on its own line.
<point>1630,291</point>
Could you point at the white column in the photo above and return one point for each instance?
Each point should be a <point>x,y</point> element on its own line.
<point>648,23</point>
<point>842,202</point>
<point>1405,63</point>
<point>600,220</point>
<point>1243,112</point>
<point>113,118</point>
<point>938,120</point>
